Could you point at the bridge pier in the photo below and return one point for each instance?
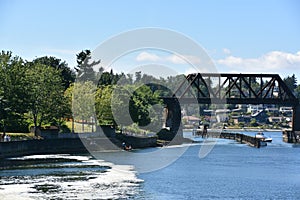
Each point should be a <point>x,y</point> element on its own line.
<point>296,118</point>
<point>294,135</point>
<point>174,116</point>
<point>172,129</point>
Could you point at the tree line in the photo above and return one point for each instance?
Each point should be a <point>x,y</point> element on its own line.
<point>32,92</point>
<point>44,91</point>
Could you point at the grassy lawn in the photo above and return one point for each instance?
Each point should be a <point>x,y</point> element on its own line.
<point>78,127</point>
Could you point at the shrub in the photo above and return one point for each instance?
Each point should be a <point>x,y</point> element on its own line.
<point>64,129</point>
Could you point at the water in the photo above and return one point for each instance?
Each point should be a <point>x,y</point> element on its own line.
<point>229,171</point>
<point>67,177</point>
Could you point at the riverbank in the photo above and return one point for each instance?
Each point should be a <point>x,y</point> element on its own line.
<point>240,130</point>
<point>83,143</point>
<point>73,143</point>
<point>51,146</point>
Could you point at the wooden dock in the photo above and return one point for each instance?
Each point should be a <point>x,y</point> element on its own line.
<point>241,138</point>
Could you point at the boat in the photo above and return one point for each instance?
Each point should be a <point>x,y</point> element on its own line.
<point>126,147</point>
<point>268,139</point>
<point>262,137</point>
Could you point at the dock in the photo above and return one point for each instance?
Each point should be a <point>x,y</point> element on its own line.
<point>239,137</point>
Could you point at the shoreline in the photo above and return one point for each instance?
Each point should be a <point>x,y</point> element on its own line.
<point>240,130</point>
<point>78,145</point>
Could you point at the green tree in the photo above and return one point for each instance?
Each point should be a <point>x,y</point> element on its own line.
<point>138,76</point>
<point>83,101</point>
<point>291,82</point>
<point>105,79</point>
<point>45,94</point>
<point>103,107</point>
<point>67,75</point>
<point>120,104</point>
<point>12,91</point>
<point>68,95</point>
<point>85,70</point>
<point>297,91</point>
<point>4,110</point>
<point>144,106</point>
<point>253,122</point>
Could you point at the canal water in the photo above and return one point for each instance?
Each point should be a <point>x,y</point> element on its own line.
<point>229,171</point>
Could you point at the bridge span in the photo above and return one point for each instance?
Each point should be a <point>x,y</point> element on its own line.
<point>213,88</point>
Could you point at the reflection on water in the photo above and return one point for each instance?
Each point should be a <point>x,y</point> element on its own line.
<point>66,177</point>
<point>231,171</point>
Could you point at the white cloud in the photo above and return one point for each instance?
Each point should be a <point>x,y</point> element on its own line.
<point>193,70</point>
<point>145,56</point>
<point>175,59</point>
<point>193,59</point>
<point>272,62</point>
<point>226,51</point>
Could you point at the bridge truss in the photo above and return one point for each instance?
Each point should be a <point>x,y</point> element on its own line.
<point>211,88</point>
<point>235,89</point>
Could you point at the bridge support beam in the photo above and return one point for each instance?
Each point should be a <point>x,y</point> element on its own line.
<point>174,117</point>
<point>294,135</point>
<point>296,118</point>
<point>171,121</point>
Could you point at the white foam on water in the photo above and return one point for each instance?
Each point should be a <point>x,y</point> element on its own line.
<point>53,156</point>
<point>116,182</point>
<point>15,192</point>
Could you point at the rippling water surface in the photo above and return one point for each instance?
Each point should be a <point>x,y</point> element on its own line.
<point>67,177</point>
<point>229,171</point>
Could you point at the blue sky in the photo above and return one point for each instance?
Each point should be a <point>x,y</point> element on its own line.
<point>240,36</point>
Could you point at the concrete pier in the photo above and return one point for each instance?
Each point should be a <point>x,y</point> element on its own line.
<point>241,138</point>
<point>290,136</point>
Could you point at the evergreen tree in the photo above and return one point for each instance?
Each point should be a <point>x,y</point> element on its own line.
<point>85,67</point>
<point>291,82</point>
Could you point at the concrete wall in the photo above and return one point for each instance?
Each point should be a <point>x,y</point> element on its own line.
<point>56,143</point>
<point>138,142</point>
<point>72,145</point>
<point>28,147</point>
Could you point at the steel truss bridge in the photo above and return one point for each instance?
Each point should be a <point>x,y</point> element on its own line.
<point>211,88</point>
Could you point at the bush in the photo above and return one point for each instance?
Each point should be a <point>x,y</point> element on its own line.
<point>17,126</point>
<point>241,124</point>
<point>64,129</point>
<point>253,123</point>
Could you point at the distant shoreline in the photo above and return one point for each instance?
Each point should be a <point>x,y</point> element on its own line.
<point>255,130</point>
<point>241,130</point>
